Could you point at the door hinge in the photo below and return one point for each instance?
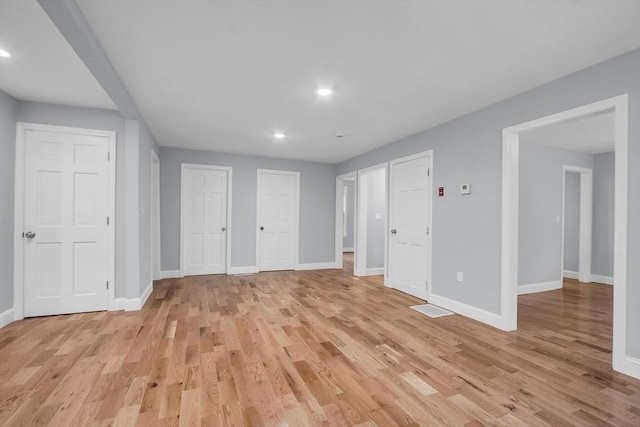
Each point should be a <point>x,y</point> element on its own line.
<point>428,171</point>
<point>107,284</point>
<point>107,220</point>
<point>427,230</point>
<point>109,156</point>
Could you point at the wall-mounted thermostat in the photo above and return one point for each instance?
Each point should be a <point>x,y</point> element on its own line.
<point>465,188</point>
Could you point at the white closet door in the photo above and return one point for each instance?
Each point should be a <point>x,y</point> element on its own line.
<point>205,220</point>
<point>277,220</point>
<point>409,220</point>
<point>66,201</point>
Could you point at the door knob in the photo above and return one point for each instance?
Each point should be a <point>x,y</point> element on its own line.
<point>224,228</point>
<point>261,228</point>
<point>29,234</point>
<point>394,231</point>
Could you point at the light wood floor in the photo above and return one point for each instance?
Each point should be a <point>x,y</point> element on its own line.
<point>314,348</point>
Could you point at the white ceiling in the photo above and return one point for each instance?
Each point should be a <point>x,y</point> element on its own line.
<point>593,134</point>
<point>225,75</point>
<point>43,68</point>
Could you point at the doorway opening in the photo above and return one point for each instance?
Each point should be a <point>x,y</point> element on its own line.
<point>371,238</point>
<point>346,220</point>
<point>155,216</point>
<point>577,223</point>
<point>517,262</point>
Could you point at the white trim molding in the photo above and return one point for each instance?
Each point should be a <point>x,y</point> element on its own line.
<point>510,182</point>
<point>539,287</point>
<point>466,310</point>
<point>632,366</point>
<point>347,250</point>
<point>170,274</point>
<point>602,280</point>
<point>7,317</point>
<point>18,223</point>
<point>374,271</point>
<point>134,304</point>
<point>567,274</point>
<point>247,269</point>
<point>317,266</point>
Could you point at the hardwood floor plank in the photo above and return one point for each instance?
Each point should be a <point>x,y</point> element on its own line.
<point>316,348</point>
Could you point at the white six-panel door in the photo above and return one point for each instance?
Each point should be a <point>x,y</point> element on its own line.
<point>277,239</point>
<point>204,220</point>
<point>66,204</point>
<point>409,219</point>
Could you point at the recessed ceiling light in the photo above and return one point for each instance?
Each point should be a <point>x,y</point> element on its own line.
<point>324,91</point>
<point>4,54</point>
<point>279,135</point>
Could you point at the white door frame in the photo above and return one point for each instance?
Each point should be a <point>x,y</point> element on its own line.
<point>155,216</point>
<point>360,238</point>
<point>296,226</point>
<point>339,217</point>
<point>183,200</point>
<point>18,223</point>
<point>586,221</point>
<point>429,155</point>
<point>510,184</point>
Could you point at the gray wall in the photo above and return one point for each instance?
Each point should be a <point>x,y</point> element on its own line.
<point>467,229</point>
<point>8,110</point>
<point>603,210</point>
<point>317,204</point>
<point>377,193</point>
<point>540,210</point>
<point>348,241</point>
<point>571,222</point>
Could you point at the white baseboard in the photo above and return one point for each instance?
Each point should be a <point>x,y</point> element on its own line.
<point>491,319</point>
<point>632,366</point>
<point>133,304</point>
<point>317,266</point>
<point>605,280</point>
<point>170,274</point>
<point>347,249</point>
<point>374,271</point>
<point>7,317</point>
<point>247,269</point>
<point>570,274</point>
<point>539,287</point>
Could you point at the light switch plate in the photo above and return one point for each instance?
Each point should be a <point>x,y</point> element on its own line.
<point>465,188</point>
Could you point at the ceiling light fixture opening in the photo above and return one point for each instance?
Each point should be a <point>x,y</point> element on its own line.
<point>279,135</point>
<point>324,91</point>
<point>4,54</point>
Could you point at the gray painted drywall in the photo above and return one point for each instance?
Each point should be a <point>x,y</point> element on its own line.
<point>146,145</point>
<point>317,204</point>
<point>92,118</point>
<point>467,229</point>
<point>347,241</point>
<point>376,189</point>
<point>540,210</point>
<point>603,214</point>
<point>8,117</point>
<point>571,221</point>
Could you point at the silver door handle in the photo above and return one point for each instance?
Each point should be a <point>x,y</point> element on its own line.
<point>29,234</point>
<point>224,228</point>
<point>394,231</point>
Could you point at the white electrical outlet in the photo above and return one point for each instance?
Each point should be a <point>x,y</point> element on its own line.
<point>378,217</point>
<point>465,188</point>
<point>460,276</point>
